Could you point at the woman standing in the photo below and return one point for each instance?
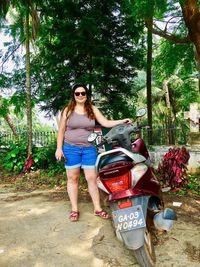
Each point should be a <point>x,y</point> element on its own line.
<point>76,123</point>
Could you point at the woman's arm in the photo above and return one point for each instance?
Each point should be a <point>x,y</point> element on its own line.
<point>60,136</point>
<point>105,122</point>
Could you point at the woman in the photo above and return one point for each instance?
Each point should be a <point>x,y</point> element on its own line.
<point>76,123</point>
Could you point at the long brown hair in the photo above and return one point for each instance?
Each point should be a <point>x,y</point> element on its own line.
<point>88,103</point>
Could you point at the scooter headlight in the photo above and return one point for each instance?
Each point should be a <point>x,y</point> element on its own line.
<point>137,172</point>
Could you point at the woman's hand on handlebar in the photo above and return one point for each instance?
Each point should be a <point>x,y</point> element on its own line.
<point>127,121</point>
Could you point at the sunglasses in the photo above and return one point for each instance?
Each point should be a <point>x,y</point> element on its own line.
<point>80,93</point>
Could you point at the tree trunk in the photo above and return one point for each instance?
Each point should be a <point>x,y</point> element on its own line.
<point>148,81</point>
<point>171,139</point>
<point>11,125</point>
<point>28,87</point>
<point>5,115</point>
<point>191,15</point>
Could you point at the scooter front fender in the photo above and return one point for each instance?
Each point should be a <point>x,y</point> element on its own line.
<point>133,239</point>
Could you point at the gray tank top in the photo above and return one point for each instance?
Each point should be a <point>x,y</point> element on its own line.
<point>78,128</point>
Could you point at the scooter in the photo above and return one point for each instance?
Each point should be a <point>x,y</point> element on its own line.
<point>126,174</point>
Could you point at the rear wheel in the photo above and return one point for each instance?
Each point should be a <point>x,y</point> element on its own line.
<point>145,255</point>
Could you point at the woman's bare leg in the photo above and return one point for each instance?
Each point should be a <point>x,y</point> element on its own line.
<point>72,186</point>
<point>90,175</point>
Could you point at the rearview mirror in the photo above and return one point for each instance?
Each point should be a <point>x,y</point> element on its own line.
<point>140,112</point>
<point>92,137</point>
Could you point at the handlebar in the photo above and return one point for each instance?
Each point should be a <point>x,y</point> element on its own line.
<point>121,134</point>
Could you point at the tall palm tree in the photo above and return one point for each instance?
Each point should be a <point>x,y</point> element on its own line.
<point>149,77</point>
<point>26,10</point>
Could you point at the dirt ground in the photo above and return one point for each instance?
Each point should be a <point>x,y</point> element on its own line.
<point>35,232</point>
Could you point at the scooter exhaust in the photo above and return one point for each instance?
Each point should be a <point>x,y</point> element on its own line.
<point>164,220</point>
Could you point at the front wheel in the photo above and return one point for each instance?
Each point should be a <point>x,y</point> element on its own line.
<point>145,255</point>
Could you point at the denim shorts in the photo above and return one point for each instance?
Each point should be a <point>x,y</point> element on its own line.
<point>79,156</point>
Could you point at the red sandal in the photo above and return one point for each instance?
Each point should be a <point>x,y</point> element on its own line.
<point>74,216</point>
<point>102,213</point>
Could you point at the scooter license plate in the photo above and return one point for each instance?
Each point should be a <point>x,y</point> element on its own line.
<point>129,218</point>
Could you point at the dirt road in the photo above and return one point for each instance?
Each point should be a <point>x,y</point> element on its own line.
<point>35,232</point>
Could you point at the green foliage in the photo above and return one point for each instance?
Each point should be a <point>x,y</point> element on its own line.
<point>193,187</point>
<point>16,153</point>
<point>193,184</point>
<point>4,81</point>
<point>145,8</point>
<point>44,158</point>
<point>94,42</point>
<point>14,105</point>
<point>184,92</point>
<point>14,157</point>
<point>4,106</point>
<point>173,59</point>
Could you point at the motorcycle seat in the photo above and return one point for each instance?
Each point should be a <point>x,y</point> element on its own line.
<point>112,159</point>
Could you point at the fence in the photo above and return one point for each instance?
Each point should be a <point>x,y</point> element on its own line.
<point>161,136</point>
<point>40,139</point>
<point>166,136</point>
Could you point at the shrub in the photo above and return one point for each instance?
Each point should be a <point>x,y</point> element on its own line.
<point>15,156</point>
<point>44,158</point>
<point>173,168</point>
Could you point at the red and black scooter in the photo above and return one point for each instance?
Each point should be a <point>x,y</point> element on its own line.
<point>125,173</point>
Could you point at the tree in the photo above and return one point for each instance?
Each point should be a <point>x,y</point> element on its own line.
<point>146,10</point>
<point>175,63</point>
<point>25,9</point>
<point>165,12</point>
<point>188,14</point>
<point>149,75</point>
<point>169,112</point>
<point>94,42</point>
